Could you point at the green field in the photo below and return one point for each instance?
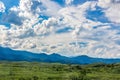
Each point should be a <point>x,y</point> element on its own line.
<point>56,71</point>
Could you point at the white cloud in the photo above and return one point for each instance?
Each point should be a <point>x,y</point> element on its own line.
<point>104,3</point>
<point>25,12</point>
<point>68,1</point>
<point>52,8</point>
<point>2,7</point>
<point>111,9</point>
<point>113,13</point>
<point>85,37</point>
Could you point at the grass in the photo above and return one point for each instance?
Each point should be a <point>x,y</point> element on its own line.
<point>56,71</point>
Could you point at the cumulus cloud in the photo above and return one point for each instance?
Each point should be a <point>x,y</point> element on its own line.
<point>66,30</point>
<point>111,9</point>
<point>2,7</point>
<point>51,7</point>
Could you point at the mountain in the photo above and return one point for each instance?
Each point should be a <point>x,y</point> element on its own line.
<point>87,60</point>
<point>14,55</point>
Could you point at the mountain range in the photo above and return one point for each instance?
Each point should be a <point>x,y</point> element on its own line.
<point>7,54</point>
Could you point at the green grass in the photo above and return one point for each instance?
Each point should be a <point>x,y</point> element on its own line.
<point>56,71</point>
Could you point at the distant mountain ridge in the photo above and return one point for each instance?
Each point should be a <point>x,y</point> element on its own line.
<point>14,55</point>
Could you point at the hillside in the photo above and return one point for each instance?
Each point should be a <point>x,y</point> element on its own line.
<point>56,71</point>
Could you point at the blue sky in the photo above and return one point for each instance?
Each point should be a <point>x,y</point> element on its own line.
<point>66,27</point>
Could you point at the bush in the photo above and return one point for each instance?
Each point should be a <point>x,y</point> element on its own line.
<point>21,79</point>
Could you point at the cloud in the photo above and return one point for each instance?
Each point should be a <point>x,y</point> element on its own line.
<point>25,13</point>
<point>52,7</point>
<point>111,8</point>
<point>2,7</point>
<point>67,30</point>
<point>68,1</point>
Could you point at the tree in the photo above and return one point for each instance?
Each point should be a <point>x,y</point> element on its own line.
<point>35,78</point>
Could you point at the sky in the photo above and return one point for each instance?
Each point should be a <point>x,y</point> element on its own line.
<point>66,27</point>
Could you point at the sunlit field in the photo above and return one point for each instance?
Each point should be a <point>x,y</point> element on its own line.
<point>56,71</point>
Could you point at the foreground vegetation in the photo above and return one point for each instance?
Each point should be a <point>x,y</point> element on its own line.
<point>56,71</point>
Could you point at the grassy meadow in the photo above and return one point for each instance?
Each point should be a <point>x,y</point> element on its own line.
<point>57,71</point>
